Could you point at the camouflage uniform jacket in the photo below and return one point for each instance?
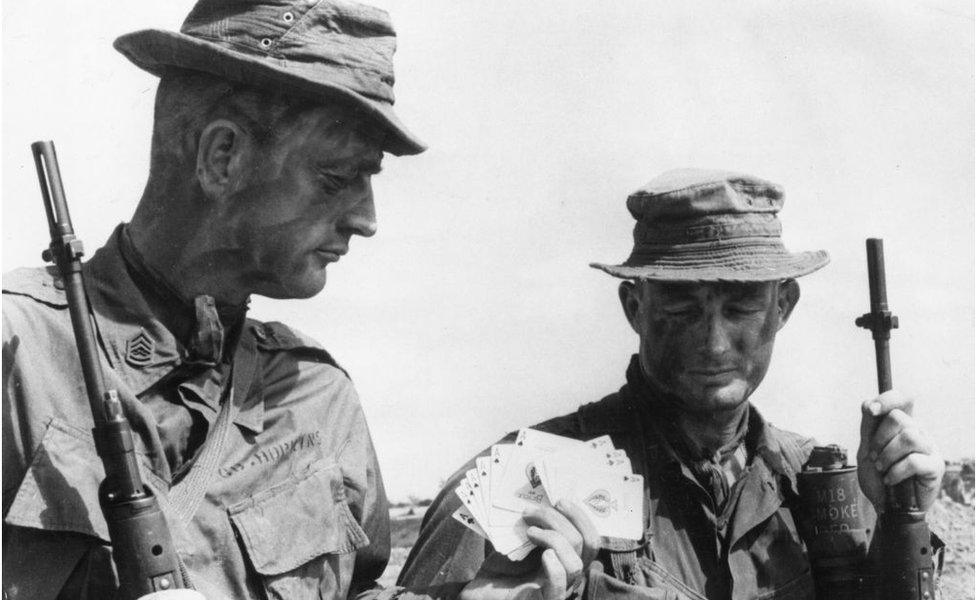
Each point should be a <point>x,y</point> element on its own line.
<point>293,508</point>
<point>751,550</point>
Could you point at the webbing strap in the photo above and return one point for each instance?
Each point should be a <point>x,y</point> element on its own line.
<point>625,566</point>
<point>187,495</point>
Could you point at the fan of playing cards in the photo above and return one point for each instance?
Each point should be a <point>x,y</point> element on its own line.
<point>542,469</point>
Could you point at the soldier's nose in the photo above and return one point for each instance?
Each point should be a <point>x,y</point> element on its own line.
<point>716,336</point>
<point>361,218</point>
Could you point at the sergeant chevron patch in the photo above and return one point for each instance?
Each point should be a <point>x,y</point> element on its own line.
<point>139,350</point>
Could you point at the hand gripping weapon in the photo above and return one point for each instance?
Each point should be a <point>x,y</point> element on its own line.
<point>907,567</point>
<point>142,549</point>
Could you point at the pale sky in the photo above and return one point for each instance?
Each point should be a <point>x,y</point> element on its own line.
<point>473,312</point>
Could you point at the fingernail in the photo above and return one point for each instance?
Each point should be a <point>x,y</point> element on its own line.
<point>877,465</point>
<point>875,408</point>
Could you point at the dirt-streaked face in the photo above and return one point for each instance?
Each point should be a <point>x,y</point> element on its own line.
<point>298,203</point>
<point>708,344</point>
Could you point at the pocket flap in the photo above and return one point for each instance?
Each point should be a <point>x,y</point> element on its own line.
<point>291,523</point>
<point>60,489</point>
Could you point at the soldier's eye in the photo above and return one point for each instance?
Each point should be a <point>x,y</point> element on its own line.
<point>333,183</point>
<point>680,310</point>
<point>745,309</point>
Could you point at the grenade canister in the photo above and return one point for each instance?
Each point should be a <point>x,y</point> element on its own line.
<point>834,526</point>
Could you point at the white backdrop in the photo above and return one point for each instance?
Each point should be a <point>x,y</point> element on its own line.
<point>473,311</point>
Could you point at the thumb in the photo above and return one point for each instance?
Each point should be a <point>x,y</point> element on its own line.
<point>553,576</point>
<point>869,422</point>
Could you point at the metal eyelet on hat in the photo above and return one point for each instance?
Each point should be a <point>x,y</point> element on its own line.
<point>266,43</point>
<point>288,17</point>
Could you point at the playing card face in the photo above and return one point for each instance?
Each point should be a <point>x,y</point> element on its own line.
<point>500,454</point>
<point>470,502</point>
<point>614,502</point>
<point>558,469</point>
<point>482,467</point>
<point>474,482</point>
<point>540,467</point>
<point>507,537</point>
<point>464,516</point>
<point>520,486</point>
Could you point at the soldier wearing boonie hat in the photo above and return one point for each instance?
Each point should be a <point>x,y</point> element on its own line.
<point>271,117</point>
<point>325,51</point>
<point>706,288</point>
<point>695,225</point>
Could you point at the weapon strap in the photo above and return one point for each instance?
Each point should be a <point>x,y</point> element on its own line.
<point>186,496</point>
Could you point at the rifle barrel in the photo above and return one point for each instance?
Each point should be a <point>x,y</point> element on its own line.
<point>906,570</point>
<point>142,547</point>
<point>881,331</point>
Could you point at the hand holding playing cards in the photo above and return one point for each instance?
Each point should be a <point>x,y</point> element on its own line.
<point>554,493</point>
<point>568,541</point>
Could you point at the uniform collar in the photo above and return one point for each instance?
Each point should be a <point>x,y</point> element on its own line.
<point>139,347</point>
<point>762,439</point>
<point>780,452</point>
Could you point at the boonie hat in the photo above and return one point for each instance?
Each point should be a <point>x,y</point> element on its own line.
<point>707,225</point>
<point>320,49</point>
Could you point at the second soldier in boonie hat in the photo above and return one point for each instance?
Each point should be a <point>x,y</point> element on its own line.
<point>710,225</point>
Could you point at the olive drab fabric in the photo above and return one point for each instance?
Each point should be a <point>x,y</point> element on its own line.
<point>710,225</point>
<point>323,50</point>
<point>293,507</point>
<point>690,551</point>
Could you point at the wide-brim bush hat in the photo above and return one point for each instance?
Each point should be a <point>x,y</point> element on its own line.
<point>708,225</point>
<point>319,49</point>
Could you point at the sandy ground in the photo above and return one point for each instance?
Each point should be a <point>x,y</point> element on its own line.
<point>398,556</point>
<point>952,522</point>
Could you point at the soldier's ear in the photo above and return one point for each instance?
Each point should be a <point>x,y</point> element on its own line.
<point>788,294</point>
<point>220,157</point>
<point>630,299</point>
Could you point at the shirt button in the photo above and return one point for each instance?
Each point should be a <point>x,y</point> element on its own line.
<point>288,17</point>
<point>266,43</point>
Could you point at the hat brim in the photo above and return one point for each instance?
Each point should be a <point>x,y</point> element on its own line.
<point>737,265</point>
<point>154,50</point>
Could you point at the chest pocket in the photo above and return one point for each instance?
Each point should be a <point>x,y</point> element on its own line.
<point>59,491</point>
<point>300,536</point>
